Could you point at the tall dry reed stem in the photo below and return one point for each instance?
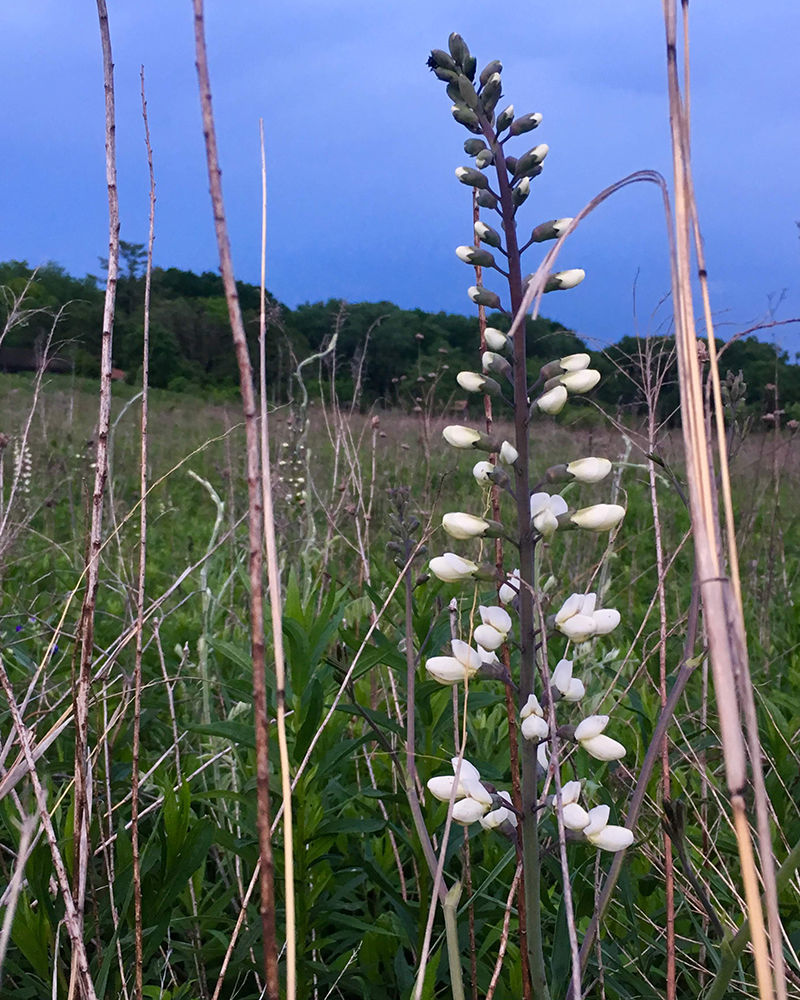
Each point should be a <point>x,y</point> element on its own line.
<point>273,577</point>
<point>140,593</point>
<point>721,591</point>
<point>255,512</point>
<point>82,790</point>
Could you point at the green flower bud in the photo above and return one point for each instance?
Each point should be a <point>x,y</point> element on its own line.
<point>484,158</point>
<point>530,160</point>
<point>549,230</point>
<point>472,177</point>
<point>452,91</point>
<point>487,200</point>
<point>521,192</point>
<point>505,118</point>
<point>439,59</point>
<point>511,164</point>
<point>487,235</point>
<point>470,65</point>
<point>468,94</point>
<point>562,280</point>
<point>458,48</point>
<point>483,297</point>
<point>474,146</point>
<point>466,116</point>
<point>475,256</point>
<point>495,66</point>
<point>491,93</point>
<point>526,123</point>
<point>496,363</point>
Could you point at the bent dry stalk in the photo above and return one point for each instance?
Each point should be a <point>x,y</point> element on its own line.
<point>514,621</point>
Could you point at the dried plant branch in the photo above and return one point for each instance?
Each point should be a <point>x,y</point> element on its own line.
<point>255,508</point>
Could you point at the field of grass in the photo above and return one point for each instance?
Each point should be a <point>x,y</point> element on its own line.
<point>347,485</point>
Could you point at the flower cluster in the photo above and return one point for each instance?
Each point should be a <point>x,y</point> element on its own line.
<point>474,801</point>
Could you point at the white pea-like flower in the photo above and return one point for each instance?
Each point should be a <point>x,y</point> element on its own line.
<point>459,436</point>
<point>488,637</point>
<point>581,381</point>
<point>589,470</point>
<point>497,817</point>
<point>570,688</point>
<point>552,401</point>
<point>441,787</point>
<point>496,340</point>
<point>604,835</point>
<point>578,620</point>
<point>468,811</point>
<point>531,707</point>
<point>482,471</point>
<point>447,670</point>
<point>535,728</point>
<point>509,591</point>
<point>498,618</point>
<point>575,817</point>
<point>452,568</point>
<point>508,453</point>
<point>563,280</point>
<point>574,362</point>
<point>589,733</point>
<point>545,510</point>
<point>459,525</point>
<point>598,517</point>
<point>475,382</point>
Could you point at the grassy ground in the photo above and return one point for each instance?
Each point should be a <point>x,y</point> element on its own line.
<point>364,889</point>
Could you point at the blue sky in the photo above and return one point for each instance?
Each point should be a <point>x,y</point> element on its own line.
<point>361,148</point>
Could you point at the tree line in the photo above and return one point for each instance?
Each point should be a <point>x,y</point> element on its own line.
<point>381,354</point>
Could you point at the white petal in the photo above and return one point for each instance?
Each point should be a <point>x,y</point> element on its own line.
<point>553,400</point>
<point>606,621</point>
<point>612,838</point>
<point>562,676</point>
<point>589,604</point>
<point>570,607</point>
<point>598,819</point>
<point>497,817</point>
<point>508,453</point>
<point>575,817</point>
<point>489,637</point>
<point>452,568</point>
<point>476,791</point>
<point>603,748</point>
<point>599,517</point>
<point>558,504</point>
<point>468,771</point>
<point>580,381</point>
<point>487,655</point>
<point>465,654</point>
<point>541,757</point>
<point>578,628</point>
<point>459,436</point>
<point>591,726</point>
<point>575,362</point>
<point>498,618</point>
<point>531,707</point>
<point>441,788</point>
<point>468,811</point>
<point>446,669</point>
<point>534,727</point>
<point>509,590</point>
<point>539,502</point>
<point>482,471</point>
<point>570,792</point>
<point>459,525</point>
<point>575,691</point>
<point>589,470</point>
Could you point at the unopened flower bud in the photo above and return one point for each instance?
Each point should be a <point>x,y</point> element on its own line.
<point>496,340</point>
<point>472,177</point>
<point>530,160</point>
<point>525,123</point>
<point>451,568</point>
<point>459,525</point>
<point>467,92</point>
<point>485,472</point>
<point>467,117</point>
<point>491,93</point>
<point>458,49</point>
<point>487,200</point>
<point>439,59</point>
<point>599,517</point>
<point>487,235</point>
<point>483,297</point>
<point>562,280</point>
<point>474,382</point>
<point>495,66</point>
<point>553,400</point>
<point>575,362</point>
<point>505,118</point>
<point>521,192</point>
<point>475,256</point>
<point>549,230</point>
<point>484,158</point>
<point>508,453</point>
<point>496,363</point>
<point>474,146</point>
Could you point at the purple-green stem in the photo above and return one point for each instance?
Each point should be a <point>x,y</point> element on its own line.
<point>530,833</point>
